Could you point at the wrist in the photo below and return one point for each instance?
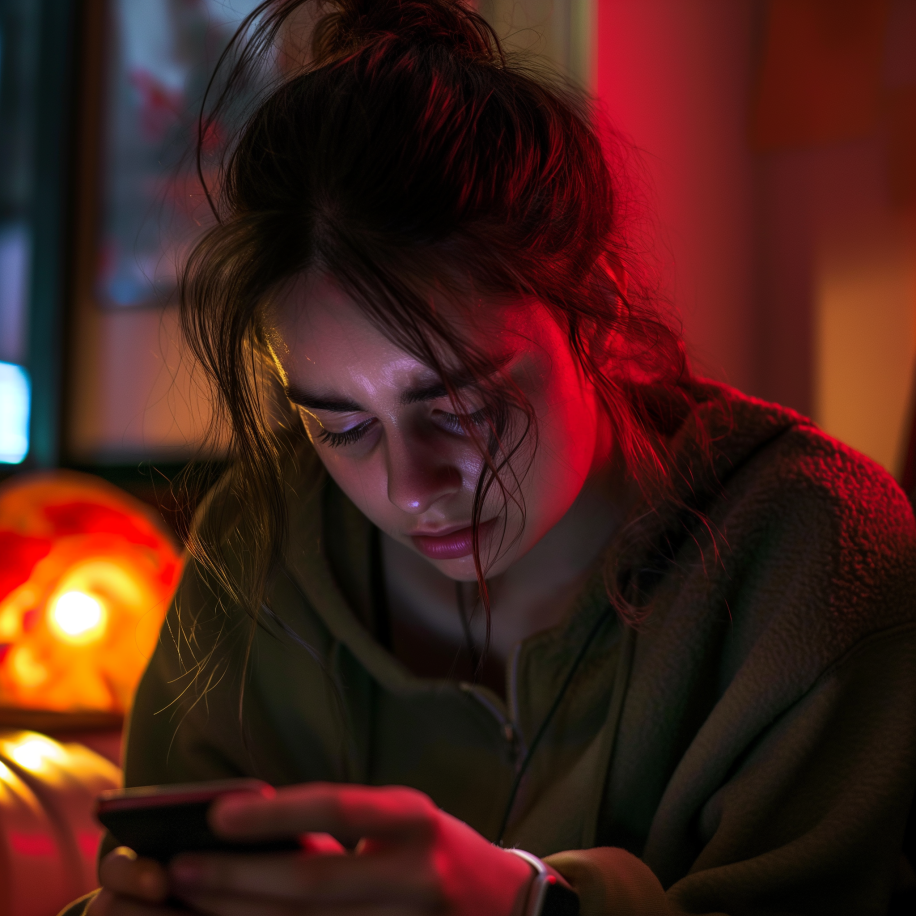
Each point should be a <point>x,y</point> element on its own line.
<point>549,893</point>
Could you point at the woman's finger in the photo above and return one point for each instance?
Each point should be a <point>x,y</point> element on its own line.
<point>125,873</point>
<point>321,844</point>
<point>347,812</point>
<point>389,877</point>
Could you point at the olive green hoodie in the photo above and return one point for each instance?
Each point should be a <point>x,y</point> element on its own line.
<point>749,747</point>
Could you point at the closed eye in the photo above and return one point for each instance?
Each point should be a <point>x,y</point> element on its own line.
<point>348,437</point>
<point>458,423</point>
<point>451,422</point>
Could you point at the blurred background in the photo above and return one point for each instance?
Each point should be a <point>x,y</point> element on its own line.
<point>773,159</point>
<point>777,148</point>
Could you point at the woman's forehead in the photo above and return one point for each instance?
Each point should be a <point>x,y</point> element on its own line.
<point>322,321</point>
<point>320,366</point>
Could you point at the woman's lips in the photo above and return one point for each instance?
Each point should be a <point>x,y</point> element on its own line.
<point>450,546</point>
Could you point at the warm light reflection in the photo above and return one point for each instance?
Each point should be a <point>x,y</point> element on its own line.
<point>78,617</point>
<point>7,776</point>
<point>34,752</point>
<point>48,836</point>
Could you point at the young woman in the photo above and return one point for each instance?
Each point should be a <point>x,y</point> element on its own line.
<point>502,574</point>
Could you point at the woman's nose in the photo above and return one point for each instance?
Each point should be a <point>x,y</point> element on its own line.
<point>419,475</point>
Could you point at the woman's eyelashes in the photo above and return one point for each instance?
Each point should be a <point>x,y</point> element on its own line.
<point>457,424</point>
<point>347,437</point>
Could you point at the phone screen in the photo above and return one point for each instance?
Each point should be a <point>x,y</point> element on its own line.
<point>161,821</point>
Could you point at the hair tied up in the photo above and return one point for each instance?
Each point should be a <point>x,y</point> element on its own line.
<point>354,25</point>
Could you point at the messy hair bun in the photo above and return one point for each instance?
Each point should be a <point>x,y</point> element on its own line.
<point>353,24</point>
<point>405,151</point>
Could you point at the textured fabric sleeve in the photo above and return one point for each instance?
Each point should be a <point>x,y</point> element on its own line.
<point>812,819</point>
<point>781,683</point>
<point>794,792</point>
<point>612,881</point>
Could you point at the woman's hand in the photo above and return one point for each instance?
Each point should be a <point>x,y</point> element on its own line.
<point>134,886</point>
<point>131,886</point>
<point>408,857</point>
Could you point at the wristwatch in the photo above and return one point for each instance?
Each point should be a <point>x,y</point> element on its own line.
<point>550,893</point>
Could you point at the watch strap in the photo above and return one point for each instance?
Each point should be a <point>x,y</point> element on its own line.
<point>550,894</point>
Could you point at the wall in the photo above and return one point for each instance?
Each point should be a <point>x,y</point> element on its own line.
<point>675,77</point>
<point>135,394</point>
<point>794,269</point>
<point>838,294</point>
<point>560,31</point>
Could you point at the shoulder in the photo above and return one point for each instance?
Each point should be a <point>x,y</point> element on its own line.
<point>819,529</point>
<point>778,467</point>
<point>783,551</point>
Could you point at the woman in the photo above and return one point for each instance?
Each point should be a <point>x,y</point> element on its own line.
<point>517,578</point>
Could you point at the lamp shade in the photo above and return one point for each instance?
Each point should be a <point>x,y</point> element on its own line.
<point>86,575</point>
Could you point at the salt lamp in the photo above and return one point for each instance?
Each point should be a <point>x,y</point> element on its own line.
<point>86,575</point>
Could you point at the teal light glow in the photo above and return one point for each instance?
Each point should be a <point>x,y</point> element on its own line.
<point>15,402</point>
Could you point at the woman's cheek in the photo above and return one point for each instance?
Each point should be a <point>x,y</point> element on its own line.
<point>364,481</point>
<point>357,479</point>
<point>567,438</point>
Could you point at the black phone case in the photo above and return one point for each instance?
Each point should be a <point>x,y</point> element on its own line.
<point>161,831</point>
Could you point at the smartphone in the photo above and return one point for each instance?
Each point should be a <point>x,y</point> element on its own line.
<point>161,821</point>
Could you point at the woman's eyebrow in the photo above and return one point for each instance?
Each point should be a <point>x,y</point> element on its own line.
<point>418,393</point>
<point>457,381</point>
<point>319,402</point>
<point>415,395</point>
<point>431,392</point>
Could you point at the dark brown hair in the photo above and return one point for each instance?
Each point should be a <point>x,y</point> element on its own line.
<point>410,152</point>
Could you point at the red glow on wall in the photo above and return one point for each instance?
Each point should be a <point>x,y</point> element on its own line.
<point>31,844</point>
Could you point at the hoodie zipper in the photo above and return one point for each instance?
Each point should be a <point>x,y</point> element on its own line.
<point>508,724</point>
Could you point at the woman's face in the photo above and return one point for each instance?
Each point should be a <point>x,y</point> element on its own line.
<point>388,433</point>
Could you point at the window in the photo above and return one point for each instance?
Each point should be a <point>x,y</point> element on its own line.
<point>19,50</point>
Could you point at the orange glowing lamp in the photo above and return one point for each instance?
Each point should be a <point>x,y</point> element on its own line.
<point>86,575</point>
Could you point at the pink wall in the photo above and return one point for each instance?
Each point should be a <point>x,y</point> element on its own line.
<point>794,269</point>
<point>675,77</point>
